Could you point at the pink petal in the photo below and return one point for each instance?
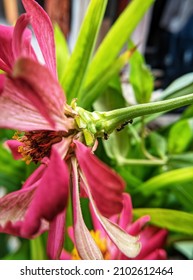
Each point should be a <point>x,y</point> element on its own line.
<point>105,185</point>
<point>35,177</point>
<point>126,243</point>
<point>51,195</point>
<point>126,214</point>
<point>21,43</point>
<point>152,238</point>
<point>13,145</point>
<point>46,88</point>
<point>2,82</point>
<point>84,242</point>
<point>56,236</point>
<point>137,226</point>
<point>6,54</point>
<point>65,255</point>
<point>158,254</point>
<point>43,30</point>
<point>13,208</point>
<point>18,113</point>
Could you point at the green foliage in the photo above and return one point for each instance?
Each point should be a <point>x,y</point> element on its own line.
<point>173,220</point>
<point>140,77</point>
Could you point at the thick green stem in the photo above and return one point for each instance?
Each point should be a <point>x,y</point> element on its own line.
<point>113,119</point>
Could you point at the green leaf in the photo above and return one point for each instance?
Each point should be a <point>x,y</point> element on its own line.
<point>181,86</point>
<point>181,160</point>
<point>62,52</point>
<point>97,87</point>
<point>117,145</point>
<point>172,220</point>
<point>12,172</point>
<point>37,249</point>
<point>184,194</point>
<point>76,68</point>
<point>140,77</point>
<point>158,144</point>
<point>180,136</point>
<point>185,248</point>
<point>115,39</point>
<point>178,176</point>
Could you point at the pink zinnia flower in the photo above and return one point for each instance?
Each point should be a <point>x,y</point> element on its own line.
<point>33,102</point>
<point>152,238</point>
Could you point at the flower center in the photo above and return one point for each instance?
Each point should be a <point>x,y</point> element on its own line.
<point>101,243</point>
<point>36,144</point>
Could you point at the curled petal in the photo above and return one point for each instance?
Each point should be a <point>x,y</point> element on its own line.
<point>43,30</point>
<point>13,145</point>
<point>21,43</point>
<point>137,226</point>
<point>151,238</point>
<point>126,243</point>
<point>6,54</point>
<point>84,242</point>
<point>56,236</point>
<point>126,214</point>
<point>105,185</point>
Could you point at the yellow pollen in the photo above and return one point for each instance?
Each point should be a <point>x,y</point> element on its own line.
<point>35,145</point>
<point>100,242</point>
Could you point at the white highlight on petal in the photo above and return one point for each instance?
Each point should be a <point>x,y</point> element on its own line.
<point>127,244</point>
<point>84,242</point>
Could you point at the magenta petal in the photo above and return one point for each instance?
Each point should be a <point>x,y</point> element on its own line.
<point>2,82</point>
<point>105,185</point>
<point>56,236</point>
<point>152,238</point>
<point>42,82</point>
<point>126,214</point>
<point>158,254</point>
<point>13,208</point>
<point>51,195</point>
<point>137,226</point>
<point>43,30</point>
<point>13,146</point>
<point>21,43</point>
<point>6,54</point>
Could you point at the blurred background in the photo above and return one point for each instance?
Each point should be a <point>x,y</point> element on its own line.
<point>165,35</point>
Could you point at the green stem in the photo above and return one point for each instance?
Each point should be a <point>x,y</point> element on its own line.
<point>108,121</point>
<point>142,161</point>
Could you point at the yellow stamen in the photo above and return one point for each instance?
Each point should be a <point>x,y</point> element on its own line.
<point>101,243</point>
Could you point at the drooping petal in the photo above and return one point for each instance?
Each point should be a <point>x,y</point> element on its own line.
<point>126,243</point>
<point>13,208</point>
<point>152,238</point>
<point>43,30</point>
<point>42,82</point>
<point>56,236</point>
<point>51,195</point>
<point>21,42</point>
<point>105,185</point>
<point>84,242</point>
<point>126,214</point>
<point>13,145</point>
<point>18,113</point>
<point>137,226</point>
<point>6,54</point>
